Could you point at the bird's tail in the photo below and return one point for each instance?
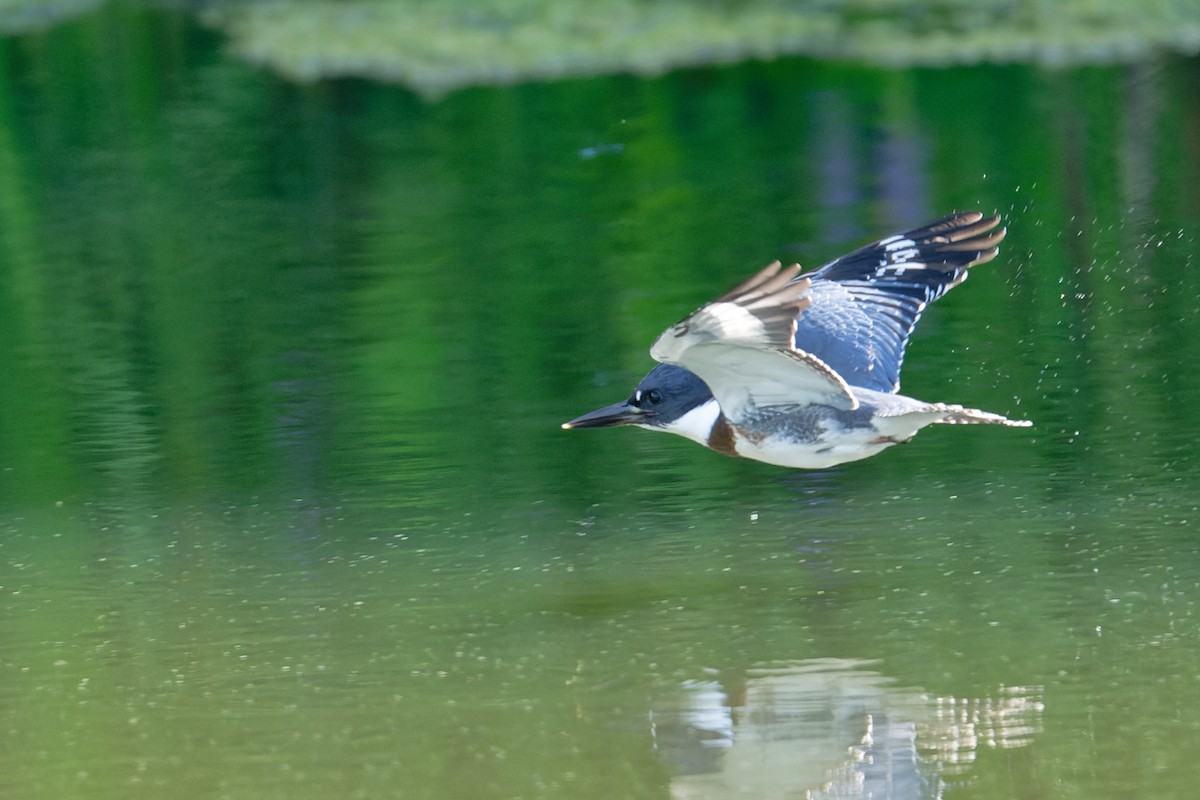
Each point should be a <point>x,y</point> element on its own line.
<point>958,415</point>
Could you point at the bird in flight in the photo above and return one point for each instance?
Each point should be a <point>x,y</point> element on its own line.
<point>803,370</point>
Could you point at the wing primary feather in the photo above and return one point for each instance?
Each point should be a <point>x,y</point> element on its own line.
<point>984,257</point>
<point>753,282</point>
<point>779,281</point>
<point>981,243</point>
<point>950,222</point>
<point>766,281</point>
<point>968,228</point>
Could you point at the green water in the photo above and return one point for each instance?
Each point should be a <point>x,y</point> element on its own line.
<point>285,509</point>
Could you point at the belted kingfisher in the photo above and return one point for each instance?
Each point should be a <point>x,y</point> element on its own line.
<point>804,370</point>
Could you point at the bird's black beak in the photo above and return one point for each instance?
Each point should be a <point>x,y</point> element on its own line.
<point>617,414</point>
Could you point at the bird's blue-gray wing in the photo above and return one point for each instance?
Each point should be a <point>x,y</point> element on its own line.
<point>864,305</point>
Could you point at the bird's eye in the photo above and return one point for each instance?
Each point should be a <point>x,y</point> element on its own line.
<point>654,396</point>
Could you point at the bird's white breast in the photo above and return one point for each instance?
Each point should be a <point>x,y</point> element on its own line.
<point>802,455</point>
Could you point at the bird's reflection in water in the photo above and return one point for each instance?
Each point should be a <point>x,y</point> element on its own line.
<point>830,728</point>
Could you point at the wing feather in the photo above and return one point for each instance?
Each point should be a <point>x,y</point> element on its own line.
<point>866,304</point>
<point>743,346</point>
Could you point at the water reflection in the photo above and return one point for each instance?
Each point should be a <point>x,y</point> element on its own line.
<point>830,728</point>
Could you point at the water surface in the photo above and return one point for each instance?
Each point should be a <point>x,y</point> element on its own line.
<point>285,510</point>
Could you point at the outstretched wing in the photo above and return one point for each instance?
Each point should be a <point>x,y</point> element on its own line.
<point>864,306</point>
<point>742,346</point>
